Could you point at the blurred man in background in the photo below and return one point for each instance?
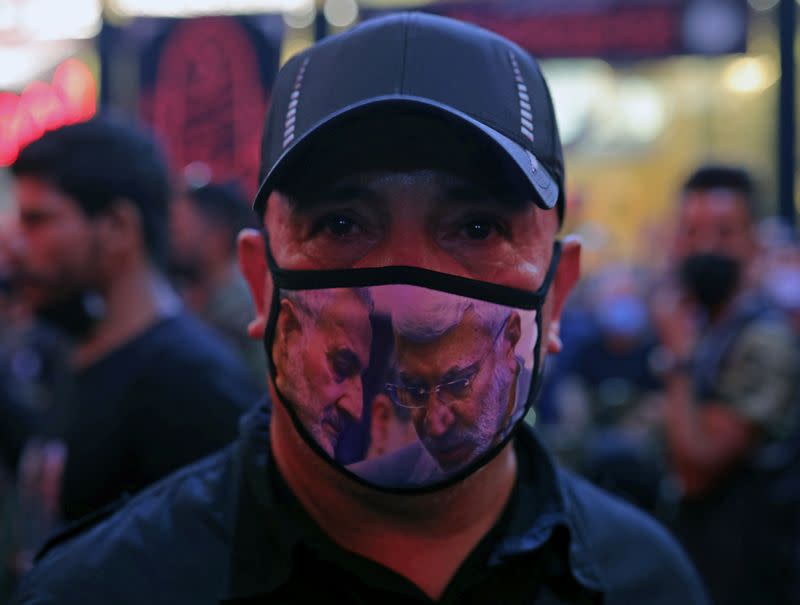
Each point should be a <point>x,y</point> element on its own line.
<point>781,279</point>
<point>152,390</point>
<point>730,373</point>
<point>204,224</point>
<point>610,373</point>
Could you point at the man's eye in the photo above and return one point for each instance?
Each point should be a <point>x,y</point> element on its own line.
<point>476,230</point>
<point>457,388</point>
<point>345,365</point>
<point>480,228</point>
<point>339,225</point>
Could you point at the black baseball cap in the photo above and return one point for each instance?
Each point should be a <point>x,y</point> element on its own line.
<point>474,81</point>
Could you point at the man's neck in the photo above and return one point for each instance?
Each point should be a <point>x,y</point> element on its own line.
<point>216,275</point>
<point>424,537</point>
<point>727,308</point>
<point>135,301</point>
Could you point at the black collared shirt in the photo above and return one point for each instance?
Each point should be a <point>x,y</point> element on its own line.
<point>229,529</point>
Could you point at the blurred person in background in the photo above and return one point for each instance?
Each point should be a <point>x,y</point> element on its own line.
<point>781,280</point>
<point>611,375</point>
<point>606,393</point>
<point>204,224</point>
<point>151,389</point>
<point>33,371</point>
<point>730,372</point>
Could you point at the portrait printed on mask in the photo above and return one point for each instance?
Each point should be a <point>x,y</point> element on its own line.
<point>445,383</point>
<point>458,371</point>
<point>322,347</point>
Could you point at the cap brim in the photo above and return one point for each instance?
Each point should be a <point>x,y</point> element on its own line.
<point>543,189</point>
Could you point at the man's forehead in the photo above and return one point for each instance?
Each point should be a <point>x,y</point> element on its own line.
<point>719,199</point>
<point>30,193</point>
<point>430,184</point>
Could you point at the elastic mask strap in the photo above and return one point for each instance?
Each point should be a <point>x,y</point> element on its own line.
<point>313,279</point>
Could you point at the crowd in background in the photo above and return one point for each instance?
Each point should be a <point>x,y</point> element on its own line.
<point>654,397</point>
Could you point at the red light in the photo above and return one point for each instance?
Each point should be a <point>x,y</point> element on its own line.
<point>70,98</point>
<point>75,84</point>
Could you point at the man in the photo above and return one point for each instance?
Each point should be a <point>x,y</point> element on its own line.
<point>204,223</point>
<point>321,351</point>
<point>781,280</point>
<point>456,373</point>
<point>731,386</point>
<point>152,390</point>
<point>390,426</point>
<point>385,167</point>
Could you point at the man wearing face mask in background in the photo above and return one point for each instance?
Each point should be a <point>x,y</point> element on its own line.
<point>400,154</point>
<point>152,389</point>
<point>730,374</point>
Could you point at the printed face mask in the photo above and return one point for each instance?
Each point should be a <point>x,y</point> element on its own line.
<point>403,378</point>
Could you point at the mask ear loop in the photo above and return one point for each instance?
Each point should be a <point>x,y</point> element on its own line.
<point>537,374</point>
<point>272,320</point>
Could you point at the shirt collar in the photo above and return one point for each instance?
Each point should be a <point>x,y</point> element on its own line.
<point>265,538</point>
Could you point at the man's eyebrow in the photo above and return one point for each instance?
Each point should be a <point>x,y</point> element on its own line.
<point>480,194</point>
<point>28,216</point>
<point>456,372</point>
<point>343,192</point>
<point>349,357</point>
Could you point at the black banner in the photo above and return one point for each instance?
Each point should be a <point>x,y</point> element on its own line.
<point>610,29</point>
<point>203,84</point>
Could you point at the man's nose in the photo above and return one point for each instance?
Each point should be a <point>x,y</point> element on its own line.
<point>352,401</point>
<point>438,417</point>
<point>14,244</point>
<point>408,245</point>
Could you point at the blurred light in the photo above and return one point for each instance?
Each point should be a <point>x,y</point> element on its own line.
<point>712,26</point>
<point>577,86</point>
<point>53,19</point>
<point>302,16</point>
<point>8,16</point>
<point>72,97</point>
<point>197,174</point>
<point>182,8</point>
<point>642,109</point>
<point>762,5</point>
<point>17,65</point>
<point>748,75</point>
<point>76,86</point>
<point>340,13</point>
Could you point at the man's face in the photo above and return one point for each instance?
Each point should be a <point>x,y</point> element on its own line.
<point>322,365</point>
<point>474,370</point>
<point>187,232</point>
<point>55,253</point>
<point>717,222</point>
<point>422,218</point>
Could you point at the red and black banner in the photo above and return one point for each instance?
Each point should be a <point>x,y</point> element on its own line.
<point>609,29</point>
<point>203,84</point>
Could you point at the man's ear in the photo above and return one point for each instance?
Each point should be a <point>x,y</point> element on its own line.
<point>511,334</point>
<point>287,326</point>
<point>120,228</point>
<point>253,264</point>
<point>567,274</point>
